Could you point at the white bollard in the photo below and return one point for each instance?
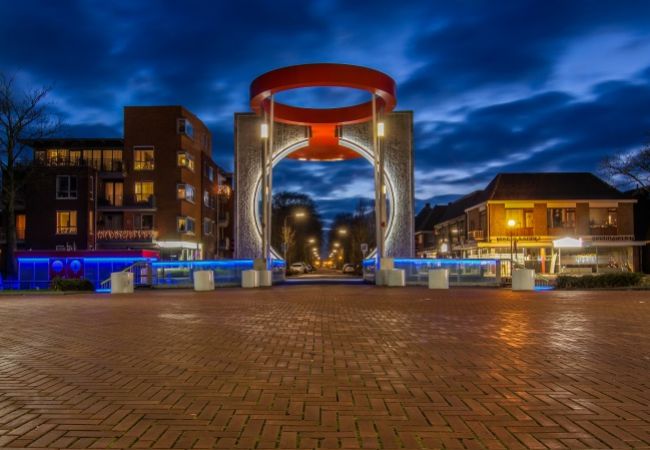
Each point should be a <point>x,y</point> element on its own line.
<point>249,279</point>
<point>396,278</point>
<point>265,278</point>
<point>523,280</point>
<point>122,283</point>
<point>204,280</point>
<point>439,279</point>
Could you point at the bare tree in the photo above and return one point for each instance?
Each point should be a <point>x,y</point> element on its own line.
<point>23,115</point>
<point>630,170</point>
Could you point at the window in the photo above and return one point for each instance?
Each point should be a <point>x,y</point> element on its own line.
<point>603,217</point>
<point>66,222</point>
<point>93,158</point>
<point>21,221</point>
<point>562,217</point>
<point>114,193</point>
<point>57,157</point>
<point>112,160</point>
<point>143,191</point>
<point>209,200</point>
<point>208,226</point>
<point>66,187</point>
<point>143,158</point>
<point>184,159</point>
<point>185,224</point>
<point>209,171</point>
<point>185,192</point>
<point>144,222</point>
<point>184,126</point>
<point>75,157</point>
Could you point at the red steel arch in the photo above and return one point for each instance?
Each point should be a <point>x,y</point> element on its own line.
<point>323,143</point>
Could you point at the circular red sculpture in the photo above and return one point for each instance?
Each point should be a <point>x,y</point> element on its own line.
<point>323,143</point>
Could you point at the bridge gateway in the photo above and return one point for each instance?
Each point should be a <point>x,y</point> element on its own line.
<point>372,130</point>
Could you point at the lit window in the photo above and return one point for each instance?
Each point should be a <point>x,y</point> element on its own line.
<point>21,221</point>
<point>66,222</point>
<point>185,127</point>
<point>92,158</point>
<point>143,191</point>
<point>208,200</point>
<point>143,158</point>
<point>112,160</point>
<point>208,226</point>
<point>57,157</point>
<point>114,193</point>
<point>66,187</point>
<point>185,224</point>
<point>561,217</point>
<point>185,192</point>
<point>184,159</point>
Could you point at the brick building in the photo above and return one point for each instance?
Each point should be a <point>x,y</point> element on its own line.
<point>552,222</point>
<point>157,188</point>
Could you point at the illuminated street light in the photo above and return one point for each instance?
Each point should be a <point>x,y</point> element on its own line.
<point>264,131</point>
<point>343,231</point>
<point>295,215</point>
<point>380,129</point>
<point>336,244</point>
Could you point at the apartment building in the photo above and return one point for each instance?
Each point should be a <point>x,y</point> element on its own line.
<point>157,188</point>
<point>551,222</point>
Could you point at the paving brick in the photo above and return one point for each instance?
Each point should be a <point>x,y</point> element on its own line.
<point>335,367</point>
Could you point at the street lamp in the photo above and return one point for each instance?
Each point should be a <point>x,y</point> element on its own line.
<point>511,226</point>
<point>295,215</point>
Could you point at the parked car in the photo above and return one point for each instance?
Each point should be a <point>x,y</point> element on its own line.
<point>298,268</point>
<point>348,268</point>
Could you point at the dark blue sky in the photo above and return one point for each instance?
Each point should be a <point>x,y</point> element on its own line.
<point>495,85</point>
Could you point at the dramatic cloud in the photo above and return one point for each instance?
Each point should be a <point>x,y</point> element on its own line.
<point>495,86</point>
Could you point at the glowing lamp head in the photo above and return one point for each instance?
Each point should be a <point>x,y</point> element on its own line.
<point>380,129</point>
<point>511,223</point>
<point>264,131</point>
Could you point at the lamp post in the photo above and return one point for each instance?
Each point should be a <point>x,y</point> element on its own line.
<point>511,226</point>
<point>295,215</point>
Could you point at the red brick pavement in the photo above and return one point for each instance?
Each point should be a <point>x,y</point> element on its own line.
<point>326,367</point>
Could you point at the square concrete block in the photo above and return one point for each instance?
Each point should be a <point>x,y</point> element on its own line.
<point>249,279</point>
<point>204,280</point>
<point>122,283</point>
<point>439,279</point>
<point>381,277</point>
<point>396,278</point>
<point>265,278</point>
<point>523,280</point>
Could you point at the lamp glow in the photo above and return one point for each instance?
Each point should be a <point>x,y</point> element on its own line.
<point>264,131</point>
<point>380,129</point>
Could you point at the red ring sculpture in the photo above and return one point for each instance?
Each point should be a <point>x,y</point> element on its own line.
<point>323,143</point>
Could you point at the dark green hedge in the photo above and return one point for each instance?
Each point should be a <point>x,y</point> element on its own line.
<point>63,284</point>
<point>605,280</point>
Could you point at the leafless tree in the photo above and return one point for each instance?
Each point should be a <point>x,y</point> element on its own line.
<point>630,169</point>
<point>24,114</point>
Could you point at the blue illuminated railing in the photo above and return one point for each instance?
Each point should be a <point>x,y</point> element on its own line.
<point>462,272</point>
<point>226,272</point>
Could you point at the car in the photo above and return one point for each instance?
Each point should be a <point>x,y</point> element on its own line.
<point>348,268</point>
<point>310,268</point>
<point>298,268</point>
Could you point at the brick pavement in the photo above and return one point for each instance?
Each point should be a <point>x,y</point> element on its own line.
<point>327,367</point>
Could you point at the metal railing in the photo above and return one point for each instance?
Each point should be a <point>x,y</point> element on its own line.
<point>142,276</point>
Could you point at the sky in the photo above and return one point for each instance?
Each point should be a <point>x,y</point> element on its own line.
<point>495,86</point>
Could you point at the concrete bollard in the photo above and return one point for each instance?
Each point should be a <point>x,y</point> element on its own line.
<point>396,278</point>
<point>439,279</point>
<point>204,280</point>
<point>122,283</point>
<point>265,278</point>
<point>249,279</point>
<point>523,280</point>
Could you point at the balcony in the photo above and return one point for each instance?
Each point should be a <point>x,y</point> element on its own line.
<point>125,235</point>
<point>133,202</point>
<point>108,167</point>
<point>476,235</point>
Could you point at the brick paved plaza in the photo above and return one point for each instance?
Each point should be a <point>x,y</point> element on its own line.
<point>328,367</point>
